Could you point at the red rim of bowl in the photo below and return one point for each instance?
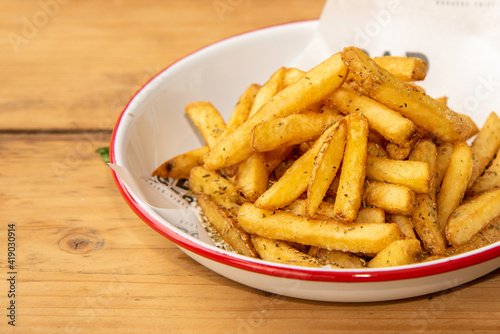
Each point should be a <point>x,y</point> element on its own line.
<point>268,268</point>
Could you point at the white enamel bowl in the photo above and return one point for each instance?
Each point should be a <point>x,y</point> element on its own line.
<point>153,128</point>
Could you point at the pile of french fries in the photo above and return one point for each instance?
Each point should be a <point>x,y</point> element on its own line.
<point>348,165</point>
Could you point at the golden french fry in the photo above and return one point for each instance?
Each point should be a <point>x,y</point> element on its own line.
<point>280,252</point>
<point>252,176</point>
<point>488,235</point>
<point>276,157</point>
<point>444,151</point>
<point>425,151</point>
<point>326,165</point>
<point>292,75</point>
<point>442,99</point>
<point>226,226</point>
<point>374,136</point>
<point>414,174</point>
<point>398,253</point>
<point>418,107</point>
<point>404,224</point>
<point>326,212</point>
<point>295,180</point>
<point>352,177</point>
<point>472,216</point>
<point>180,166</point>
<point>397,152</point>
<point>484,146</point>
<point>489,180</point>
<point>300,247</point>
<point>313,87</point>
<point>426,224</point>
<point>315,108</point>
<point>273,86</point>
<point>424,217</point>
<point>291,130</point>
<point>455,182</point>
<point>327,109</point>
<point>337,258</point>
<point>393,198</point>
<point>376,150</point>
<point>387,122</point>
<point>333,189</point>
<point>333,235</point>
<point>241,111</point>
<point>405,68</point>
<point>221,191</point>
<point>207,120</point>
<point>370,216</point>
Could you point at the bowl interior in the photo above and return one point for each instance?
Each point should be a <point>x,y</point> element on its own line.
<point>154,127</point>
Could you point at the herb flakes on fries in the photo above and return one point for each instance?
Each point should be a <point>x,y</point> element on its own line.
<point>348,165</point>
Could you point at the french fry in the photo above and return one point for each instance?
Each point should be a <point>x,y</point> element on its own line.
<point>300,247</point>
<point>326,212</point>
<point>472,216</point>
<point>374,136</point>
<point>240,114</point>
<point>393,198</point>
<point>291,130</point>
<point>405,68</point>
<point>397,152</point>
<point>455,182</point>
<point>489,180</point>
<point>207,120</point>
<point>252,176</point>
<point>337,258</point>
<point>325,167</point>
<point>397,253</point>
<point>414,174</point>
<point>241,111</point>
<point>418,107</point>
<point>348,237</point>
<point>488,235</point>
<point>352,177</point>
<point>376,150</point>
<point>327,109</point>
<point>292,75</point>
<point>316,108</point>
<point>424,217</point>
<point>444,151</point>
<point>220,190</point>
<point>313,87</point>
<point>442,99</point>
<point>371,216</point>
<point>404,224</point>
<point>180,166</point>
<point>484,146</point>
<point>295,180</point>
<point>226,226</point>
<point>273,86</point>
<point>274,158</point>
<point>280,252</point>
<point>387,122</point>
<point>333,189</point>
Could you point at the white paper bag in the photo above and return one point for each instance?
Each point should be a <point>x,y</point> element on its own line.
<point>460,40</point>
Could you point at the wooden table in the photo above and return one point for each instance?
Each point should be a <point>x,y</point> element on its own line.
<point>84,262</point>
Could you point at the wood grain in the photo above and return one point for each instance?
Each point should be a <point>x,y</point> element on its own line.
<point>85,262</point>
<point>126,277</point>
<point>78,68</point>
